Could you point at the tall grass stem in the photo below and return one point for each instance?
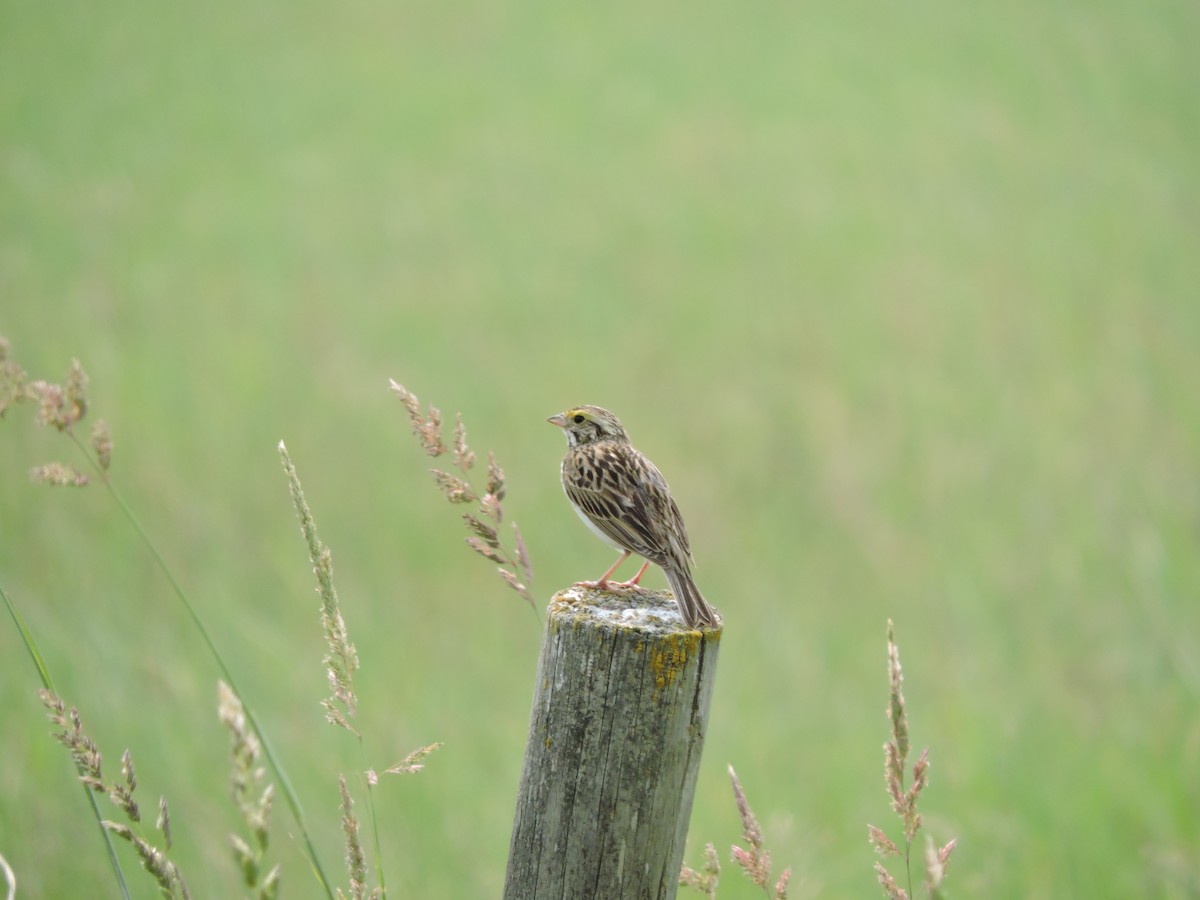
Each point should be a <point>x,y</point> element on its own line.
<point>289,790</point>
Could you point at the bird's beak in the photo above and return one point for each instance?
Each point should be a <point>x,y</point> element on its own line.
<point>560,420</point>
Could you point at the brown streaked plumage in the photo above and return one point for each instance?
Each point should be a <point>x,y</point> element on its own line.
<point>623,498</point>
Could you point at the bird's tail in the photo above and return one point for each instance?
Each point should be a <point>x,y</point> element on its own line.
<point>693,607</point>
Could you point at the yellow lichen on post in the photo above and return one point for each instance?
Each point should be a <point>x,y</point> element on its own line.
<point>671,654</point>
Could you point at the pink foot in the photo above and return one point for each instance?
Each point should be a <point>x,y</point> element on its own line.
<point>632,582</point>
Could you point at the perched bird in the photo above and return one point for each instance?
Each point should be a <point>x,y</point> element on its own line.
<point>624,499</point>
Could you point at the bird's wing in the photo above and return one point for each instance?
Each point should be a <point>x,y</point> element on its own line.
<point>616,499</point>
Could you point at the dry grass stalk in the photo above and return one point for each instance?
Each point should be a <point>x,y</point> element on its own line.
<point>57,474</point>
<point>514,566</point>
<point>356,863</point>
<point>341,661</point>
<point>756,861</point>
<point>60,406</point>
<point>705,881</point>
<point>410,765</point>
<point>936,859</point>
<point>252,799</point>
<point>891,890</point>
<point>88,762</point>
<point>13,379</point>
<point>102,444</point>
<point>904,799</point>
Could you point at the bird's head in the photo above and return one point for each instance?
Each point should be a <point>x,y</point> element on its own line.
<point>588,424</point>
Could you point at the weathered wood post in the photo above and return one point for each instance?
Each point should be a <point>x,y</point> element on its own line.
<point>620,710</point>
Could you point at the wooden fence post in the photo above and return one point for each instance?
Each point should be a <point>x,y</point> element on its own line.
<point>620,710</point>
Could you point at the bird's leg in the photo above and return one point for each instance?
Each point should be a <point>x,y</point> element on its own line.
<point>602,582</point>
<point>632,582</point>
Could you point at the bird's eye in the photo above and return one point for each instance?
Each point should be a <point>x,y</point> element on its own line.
<point>578,419</point>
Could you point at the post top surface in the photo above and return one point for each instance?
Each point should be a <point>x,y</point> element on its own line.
<point>637,609</point>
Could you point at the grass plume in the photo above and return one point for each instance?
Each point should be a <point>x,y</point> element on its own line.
<point>341,660</point>
<point>356,863</point>
<point>754,859</point>
<point>411,764</point>
<point>513,566</point>
<point>13,379</point>
<point>252,799</point>
<point>60,406</point>
<point>341,707</point>
<point>904,799</point>
<point>89,763</point>
<point>705,881</point>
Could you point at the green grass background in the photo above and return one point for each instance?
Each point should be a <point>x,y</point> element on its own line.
<point>903,298</point>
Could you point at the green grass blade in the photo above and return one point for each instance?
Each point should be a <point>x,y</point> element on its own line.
<point>44,673</point>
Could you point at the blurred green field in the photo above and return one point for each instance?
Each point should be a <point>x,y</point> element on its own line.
<point>904,299</point>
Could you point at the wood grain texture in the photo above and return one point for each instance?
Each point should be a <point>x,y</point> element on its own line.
<point>619,715</point>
